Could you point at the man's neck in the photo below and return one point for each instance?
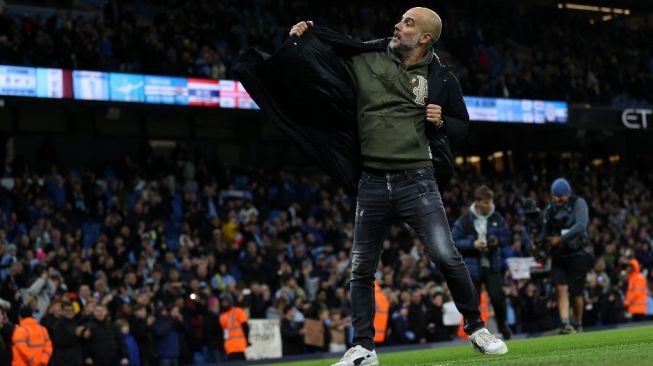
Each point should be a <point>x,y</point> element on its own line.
<point>413,58</point>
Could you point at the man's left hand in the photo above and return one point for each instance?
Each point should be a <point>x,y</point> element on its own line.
<point>554,240</point>
<point>124,361</point>
<point>434,114</point>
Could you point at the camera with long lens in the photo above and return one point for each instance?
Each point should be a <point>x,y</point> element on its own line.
<point>533,222</point>
<point>532,217</point>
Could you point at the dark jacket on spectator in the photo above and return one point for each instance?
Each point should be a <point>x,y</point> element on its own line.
<point>141,332</point>
<point>49,322</point>
<point>166,337</point>
<point>68,347</point>
<point>6,332</point>
<point>213,335</point>
<point>106,346</point>
<point>291,338</point>
<point>309,74</point>
<point>464,234</point>
<point>417,320</point>
<point>400,329</point>
<point>259,307</point>
<point>435,328</point>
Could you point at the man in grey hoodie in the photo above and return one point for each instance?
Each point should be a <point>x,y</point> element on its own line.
<point>42,290</point>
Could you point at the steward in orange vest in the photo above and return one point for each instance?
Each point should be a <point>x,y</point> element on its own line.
<point>636,294</point>
<point>381,316</point>
<point>233,321</point>
<point>31,341</point>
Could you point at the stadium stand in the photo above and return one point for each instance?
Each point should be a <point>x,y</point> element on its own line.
<point>160,238</point>
<point>491,46</point>
<point>157,231</point>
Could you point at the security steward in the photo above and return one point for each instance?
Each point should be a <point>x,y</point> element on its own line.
<point>233,321</point>
<point>31,341</point>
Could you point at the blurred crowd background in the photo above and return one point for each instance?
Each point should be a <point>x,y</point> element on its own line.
<point>150,244</point>
<point>501,48</point>
<point>157,233</point>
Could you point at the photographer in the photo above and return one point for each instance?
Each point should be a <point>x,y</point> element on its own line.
<point>565,233</point>
<point>480,236</point>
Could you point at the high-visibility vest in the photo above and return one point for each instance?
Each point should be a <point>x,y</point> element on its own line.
<point>636,293</point>
<point>485,314</point>
<point>231,322</point>
<point>381,316</point>
<point>31,344</point>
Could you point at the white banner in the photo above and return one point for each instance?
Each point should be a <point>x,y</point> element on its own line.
<point>265,337</point>
<point>450,315</point>
<point>520,268</point>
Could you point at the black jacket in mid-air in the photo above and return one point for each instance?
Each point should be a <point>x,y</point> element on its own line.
<point>307,91</point>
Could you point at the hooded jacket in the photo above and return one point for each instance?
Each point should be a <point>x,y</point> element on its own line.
<point>464,235</point>
<point>42,290</point>
<point>306,89</point>
<point>636,294</point>
<point>32,344</point>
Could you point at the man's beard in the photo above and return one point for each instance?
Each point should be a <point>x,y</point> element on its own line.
<point>405,46</point>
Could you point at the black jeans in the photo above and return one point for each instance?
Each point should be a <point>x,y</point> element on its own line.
<point>413,197</point>
<point>492,281</point>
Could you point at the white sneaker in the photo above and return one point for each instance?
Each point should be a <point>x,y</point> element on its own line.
<point>358,356</point>
<point>484,342</point>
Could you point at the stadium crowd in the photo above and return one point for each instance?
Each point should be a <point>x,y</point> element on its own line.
<point>153,251</point>
<point>503,49</point>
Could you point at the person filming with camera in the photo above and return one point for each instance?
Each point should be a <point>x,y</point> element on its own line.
<point>565,234</point>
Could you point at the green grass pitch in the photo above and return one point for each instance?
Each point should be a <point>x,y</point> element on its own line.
<point>620,347</point>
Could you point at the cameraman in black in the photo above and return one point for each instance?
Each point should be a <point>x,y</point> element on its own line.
<point>565,232</point>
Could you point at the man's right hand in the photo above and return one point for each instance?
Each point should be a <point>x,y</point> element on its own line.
<point>480,245</point>
<point>298,29</point>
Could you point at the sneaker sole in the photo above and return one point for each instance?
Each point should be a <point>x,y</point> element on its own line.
<point>373,363</point>
<point>500,351</point>
<point>367,364</point>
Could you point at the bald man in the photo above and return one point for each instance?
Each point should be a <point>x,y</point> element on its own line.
<point>394,109</point>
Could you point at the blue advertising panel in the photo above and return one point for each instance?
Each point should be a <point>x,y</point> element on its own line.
<point>91,85</point>
<point>50,83</point>
<point>18,81</point>
<point>126,87</point>
<point>516,110</point>
<point>166,90</point>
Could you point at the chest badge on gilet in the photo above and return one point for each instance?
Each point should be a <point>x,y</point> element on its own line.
<point>421,89</point>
